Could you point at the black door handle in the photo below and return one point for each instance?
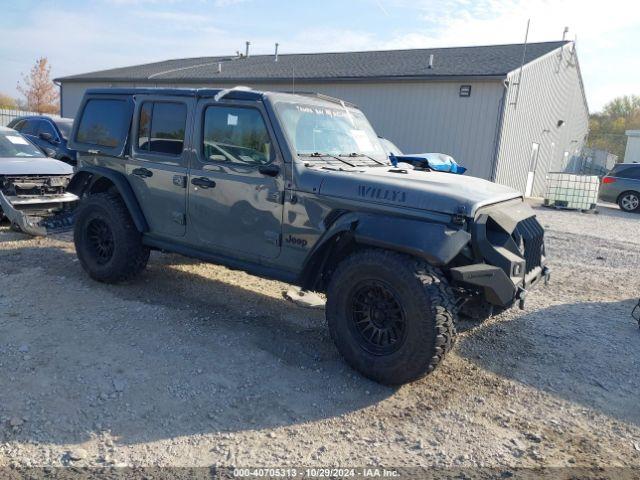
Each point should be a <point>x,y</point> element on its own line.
<point>203,182</point>
<point>269,170</point>
<point>142,172</point>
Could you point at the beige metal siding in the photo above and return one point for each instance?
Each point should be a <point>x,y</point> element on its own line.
<point>417,116</point>
<point>551,90</point>
<point>632,151</point>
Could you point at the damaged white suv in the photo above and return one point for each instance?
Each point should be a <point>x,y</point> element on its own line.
<point>33,187</point>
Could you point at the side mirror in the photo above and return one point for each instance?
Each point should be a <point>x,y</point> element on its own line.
<point>270,170</point>
<point>49,152</point>
<point>47,137</point>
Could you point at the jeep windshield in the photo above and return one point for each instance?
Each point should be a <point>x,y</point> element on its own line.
<point>12,145</point>
<point>319,130</point>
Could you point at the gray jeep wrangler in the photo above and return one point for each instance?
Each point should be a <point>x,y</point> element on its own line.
<point>298,188</point>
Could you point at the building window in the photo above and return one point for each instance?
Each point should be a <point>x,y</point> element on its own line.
<point>465,90</point>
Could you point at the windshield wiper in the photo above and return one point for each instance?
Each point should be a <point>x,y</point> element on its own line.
<point>319,155</point>
<point>355,155</point>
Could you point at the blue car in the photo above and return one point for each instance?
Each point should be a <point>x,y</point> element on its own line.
<point>49,134</point>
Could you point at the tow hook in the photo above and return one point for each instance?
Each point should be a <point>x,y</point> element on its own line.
<point>521,296</point>
<point>546,273</point>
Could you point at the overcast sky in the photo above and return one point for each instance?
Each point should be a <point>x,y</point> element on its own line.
<point>84,35</point>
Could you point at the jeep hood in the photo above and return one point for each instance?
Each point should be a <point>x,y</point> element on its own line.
<point>33,166</point>
<point>426,190</point>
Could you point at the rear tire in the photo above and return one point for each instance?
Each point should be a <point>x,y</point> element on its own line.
<point>107,242</point>
<point>629,201</point>
<point>390,315</point>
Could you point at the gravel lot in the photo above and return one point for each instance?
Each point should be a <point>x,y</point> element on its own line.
<point>198,365</point>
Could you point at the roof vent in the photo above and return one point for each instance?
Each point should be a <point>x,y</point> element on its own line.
<point>219,67</point>
<point>276,54</point>
<point>431,61</point>
<point>246,50</point>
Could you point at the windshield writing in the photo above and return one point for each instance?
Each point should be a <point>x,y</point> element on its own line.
<point>329,130</point>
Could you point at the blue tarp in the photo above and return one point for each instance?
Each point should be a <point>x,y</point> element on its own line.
<point>435,161</point>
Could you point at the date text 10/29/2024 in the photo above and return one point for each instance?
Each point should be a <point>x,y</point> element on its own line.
<point>315,473</point>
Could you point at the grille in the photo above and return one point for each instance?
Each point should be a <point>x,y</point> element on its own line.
<point>33,185</point>
<point>531,233</point>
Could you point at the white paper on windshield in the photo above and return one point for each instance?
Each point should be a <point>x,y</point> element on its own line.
<point>232,120</point>
<point>16,140</point>
<point>362,140</point>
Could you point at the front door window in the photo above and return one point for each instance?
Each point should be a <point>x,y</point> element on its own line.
<point>237,135</point>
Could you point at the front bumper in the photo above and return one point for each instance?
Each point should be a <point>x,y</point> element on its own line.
<point>498,289</point>
<point>39,215</point>
<point>509,254</point>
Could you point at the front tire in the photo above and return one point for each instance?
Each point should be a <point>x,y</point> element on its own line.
<point>107,242</point>
<point>629,201</point>
<point>390,315</point>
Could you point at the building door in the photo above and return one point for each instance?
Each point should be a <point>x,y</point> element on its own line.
<point>531,174</point>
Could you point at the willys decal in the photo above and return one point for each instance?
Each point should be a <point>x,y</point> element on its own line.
<point>377,193</point>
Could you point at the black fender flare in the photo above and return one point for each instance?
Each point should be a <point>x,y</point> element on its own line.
<point>86,177</point>
<point>436,243</point>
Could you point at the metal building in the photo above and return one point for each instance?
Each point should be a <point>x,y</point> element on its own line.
<point>632,151</point>
<point>509,113</point>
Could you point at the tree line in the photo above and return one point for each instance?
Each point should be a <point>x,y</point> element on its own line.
<point>607,128</point>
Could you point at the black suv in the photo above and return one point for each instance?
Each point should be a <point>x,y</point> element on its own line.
<point>298,188</point>
<point>49,134</point>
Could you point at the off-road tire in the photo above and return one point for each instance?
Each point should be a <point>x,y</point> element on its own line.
<point>425,298</point>
<point>129,256</point>
<point>626,200</point>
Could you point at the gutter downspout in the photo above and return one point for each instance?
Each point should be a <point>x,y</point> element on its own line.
<point>498,138</point>
<point>59,95</point>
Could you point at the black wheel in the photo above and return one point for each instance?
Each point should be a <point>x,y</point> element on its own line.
<point>107,242</point>
<point>629,201</point>
<point>390,315</point>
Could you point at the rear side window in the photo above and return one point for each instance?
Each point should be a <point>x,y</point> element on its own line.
<point>103,123</point>
<point>236,135</point>
<point>29,127</point>
<point>46,127</point>
<point>630,171</point>
<point>20,125</point>
<point>161,127</point>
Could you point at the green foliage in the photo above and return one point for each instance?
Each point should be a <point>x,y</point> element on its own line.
<point>606,128</point>
<point>7,102</point>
